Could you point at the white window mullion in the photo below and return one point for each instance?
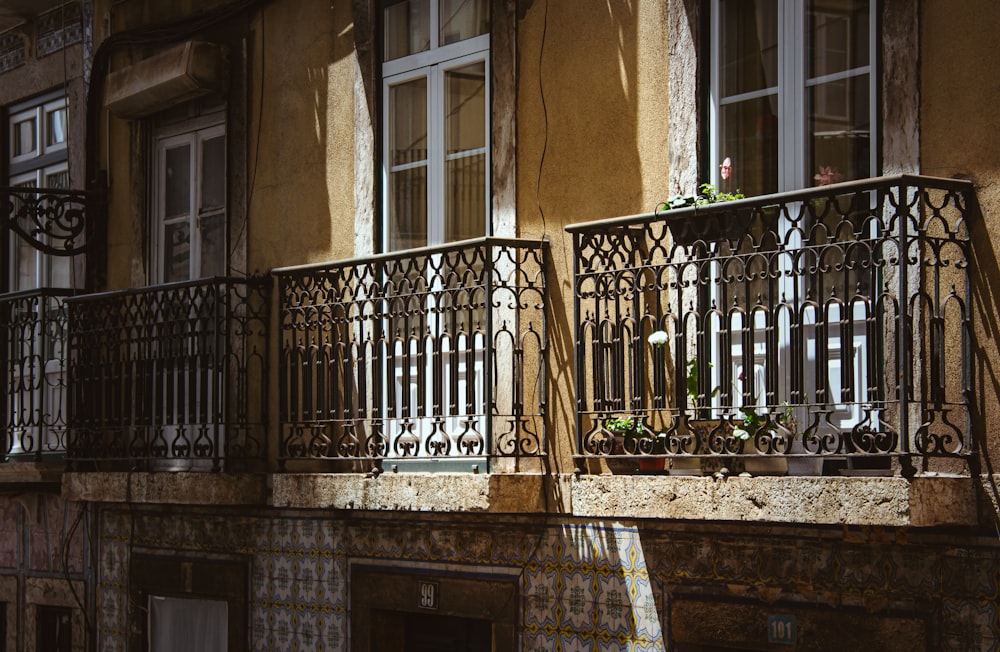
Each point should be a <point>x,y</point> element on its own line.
<point>435,154</point>
<point>791,92</point>
<point>195,154</point>
<point>715,90</point>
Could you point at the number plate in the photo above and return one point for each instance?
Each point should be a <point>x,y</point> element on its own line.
<point>781,629</point>
<point>429,595</point>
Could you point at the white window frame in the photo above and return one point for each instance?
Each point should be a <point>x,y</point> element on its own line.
<point>433,64</point>
<point>193,133</point>
<point>792,89</point>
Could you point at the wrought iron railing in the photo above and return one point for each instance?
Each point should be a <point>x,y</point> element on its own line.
<point>54,221</point>
<point>171,377</point>
<point>826,323</point>
<point>32,338</point>
<point>433,355</point>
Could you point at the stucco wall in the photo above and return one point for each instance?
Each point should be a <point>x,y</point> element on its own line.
<point>592,125</point>
<point>301,154</point>
<point>959,137</point>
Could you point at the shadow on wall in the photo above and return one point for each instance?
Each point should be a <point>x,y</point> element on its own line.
<point>985,311</point>
<point>578,152</point>
<point>301,132</point>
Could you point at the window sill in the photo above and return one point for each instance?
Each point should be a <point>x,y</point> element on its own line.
<point>893,502</point>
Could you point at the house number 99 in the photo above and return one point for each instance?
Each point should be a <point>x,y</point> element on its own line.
<point>428,595</point>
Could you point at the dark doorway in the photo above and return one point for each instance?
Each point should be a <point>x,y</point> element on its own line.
<point>427,632</point>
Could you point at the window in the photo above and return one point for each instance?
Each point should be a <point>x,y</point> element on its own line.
<point>176,602</point>
<point>32,362</point>
<point>189,231</point>
<point>793,91</point>
<point>38,159</point>
<point>435,78</point>
<point>793,105</point>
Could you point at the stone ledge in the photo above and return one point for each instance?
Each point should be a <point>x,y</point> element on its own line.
<point>895,502</point>
<point>414,492</point>
<point>167,488</point>
<point>31,473</point>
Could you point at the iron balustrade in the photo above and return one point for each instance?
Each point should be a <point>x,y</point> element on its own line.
<point>53,220</point>
<point>430,355</point>
<point>32,338</point>
<point>171,377</point>
<point>832,322</point>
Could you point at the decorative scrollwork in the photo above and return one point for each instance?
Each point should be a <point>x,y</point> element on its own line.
<point>53,221</point>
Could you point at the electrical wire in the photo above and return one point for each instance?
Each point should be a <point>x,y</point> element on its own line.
<point>545,121</point>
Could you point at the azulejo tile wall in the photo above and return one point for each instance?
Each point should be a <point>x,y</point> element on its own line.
<point>583,585</point>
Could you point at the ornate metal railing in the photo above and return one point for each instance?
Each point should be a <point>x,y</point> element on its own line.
<point>433,355</point>
<point>171,377</point>
<point>54,221</point>
<point>829,323</point>
<point>32,338</point>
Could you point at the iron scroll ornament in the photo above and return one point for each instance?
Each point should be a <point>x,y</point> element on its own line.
<point>53,221</point>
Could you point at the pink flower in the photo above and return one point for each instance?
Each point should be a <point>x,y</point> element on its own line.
<point>726,168</point>
<point>827,175</point>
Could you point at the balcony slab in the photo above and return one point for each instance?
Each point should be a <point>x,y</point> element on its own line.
<point>167,488</point>
<point>416,492</point>
<point>31,474</point>
<point>881,501</point>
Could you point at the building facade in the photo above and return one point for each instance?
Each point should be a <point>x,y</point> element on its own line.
<point>409,324</point>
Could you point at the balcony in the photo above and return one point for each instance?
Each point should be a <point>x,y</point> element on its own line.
<point>32,333</point>
<point>823,331</point>
<point>170,378</point>
<point>424,359</point>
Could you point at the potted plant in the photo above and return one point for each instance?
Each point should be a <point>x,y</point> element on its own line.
<point>773,433</point>
<point>628,432</point>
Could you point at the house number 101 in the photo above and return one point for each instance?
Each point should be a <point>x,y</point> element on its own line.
<point>428,595</point>
<point>781,629</point>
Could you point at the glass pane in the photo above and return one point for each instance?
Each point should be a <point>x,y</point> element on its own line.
<point>177,181</point>
<point>838,36</point>
<point>176,252</point>
<point>213,240</point>
<point>25,137</point>
<point>465,99</point>
<point>466,198</point>
<point>750,140</point>
<point>408,165</point>
<point>59,271</point>
<point>408,208</point>
<point>25,266</point>
<point>840,131</point>
<point>58,180</point>
<point>462,19</point>
<point>55,127</point>
<point>465,147</point>
<point>213,173</point>
<point>749,45</point>
<point>407,28</point>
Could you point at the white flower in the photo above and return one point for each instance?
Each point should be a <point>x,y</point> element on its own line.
<point>659,338</point>
<point>740,433</point>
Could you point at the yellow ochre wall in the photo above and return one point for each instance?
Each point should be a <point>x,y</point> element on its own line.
<point>960,136</point>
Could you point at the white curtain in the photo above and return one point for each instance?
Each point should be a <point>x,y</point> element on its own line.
<point>187,625</point>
